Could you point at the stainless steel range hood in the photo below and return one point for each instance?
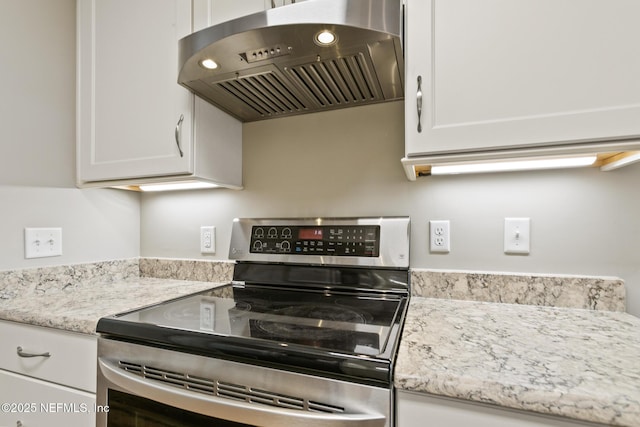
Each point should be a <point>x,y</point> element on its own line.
<point>270,64</point>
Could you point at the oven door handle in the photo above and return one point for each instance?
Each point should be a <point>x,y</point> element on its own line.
<point>229,409</point>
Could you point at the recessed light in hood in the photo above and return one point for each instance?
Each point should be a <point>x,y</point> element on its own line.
<point>325,38</point>
<point>273,63</point>
<point>209,64</point>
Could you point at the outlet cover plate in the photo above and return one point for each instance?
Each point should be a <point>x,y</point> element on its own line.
<point>439,240</point>
<point>208,240</point>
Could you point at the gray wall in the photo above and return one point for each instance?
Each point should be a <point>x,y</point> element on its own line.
<point>348,163</point>
<point>37,159</point>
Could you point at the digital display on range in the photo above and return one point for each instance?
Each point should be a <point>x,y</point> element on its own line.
<point>310,234</point>
<point>325,240</point>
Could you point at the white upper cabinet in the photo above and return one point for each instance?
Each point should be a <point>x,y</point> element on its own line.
<point>501,74</point>
<point>135,123</point>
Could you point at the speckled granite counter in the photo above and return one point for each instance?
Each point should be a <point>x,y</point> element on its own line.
<point>582,364</point>
<point>75,297</point>
<point>572,291</point>
<point>561,361</point>
<point>80,309</point>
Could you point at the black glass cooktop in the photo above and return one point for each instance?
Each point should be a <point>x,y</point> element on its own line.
<point>346,333</point>
<point>324,320</point>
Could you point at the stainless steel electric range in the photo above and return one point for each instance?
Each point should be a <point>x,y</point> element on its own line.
<point>305,335</point>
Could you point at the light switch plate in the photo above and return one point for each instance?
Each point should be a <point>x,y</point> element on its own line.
<point>42,242</point>
<point>517,236</point>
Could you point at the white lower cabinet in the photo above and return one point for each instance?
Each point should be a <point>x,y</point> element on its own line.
<point>47,377</point>
<point>29,402</point>
<point>421,410</point>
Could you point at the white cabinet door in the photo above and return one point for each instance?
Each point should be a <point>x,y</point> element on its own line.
<point>499,73</point>
<point>129,103</point>
<point>421,410</point>
<point>29,402</point>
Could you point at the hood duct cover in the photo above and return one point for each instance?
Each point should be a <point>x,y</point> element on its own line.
<point>269,65</point>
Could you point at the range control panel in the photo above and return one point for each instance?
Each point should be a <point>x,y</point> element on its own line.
<point>330,240</point>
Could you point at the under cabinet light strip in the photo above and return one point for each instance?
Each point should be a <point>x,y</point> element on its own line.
<point>177,186</point>
<point>513,165</point>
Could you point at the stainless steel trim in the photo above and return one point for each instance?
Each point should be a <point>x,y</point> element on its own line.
<point>244,412</point>
<point>178,134</point>
<point>225,389</point>
<point>269,64</point>
<point>23,354</point>
<point>364,406</point>
<point>394,238</point>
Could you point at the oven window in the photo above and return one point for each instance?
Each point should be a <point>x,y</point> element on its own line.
<point>126,410</point>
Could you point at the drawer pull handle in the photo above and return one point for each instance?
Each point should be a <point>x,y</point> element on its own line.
<point>23,354</point>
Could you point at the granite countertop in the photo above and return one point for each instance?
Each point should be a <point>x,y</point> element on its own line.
<point>79,309</point>
<point>75,297</point>
<point>577,363</point>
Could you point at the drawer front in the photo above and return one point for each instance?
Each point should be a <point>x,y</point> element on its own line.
<point>72,356</point>
<point>29,402</point>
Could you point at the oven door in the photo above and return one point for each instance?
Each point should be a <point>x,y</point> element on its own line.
<point>145,386</point>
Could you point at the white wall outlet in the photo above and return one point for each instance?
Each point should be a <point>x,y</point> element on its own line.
<point>439,236</point>
<point>208,240</point>
<point>42,242</point>
<point>516,236</point>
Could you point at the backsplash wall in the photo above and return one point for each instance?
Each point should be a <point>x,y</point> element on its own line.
<point>37,165</point>
<point>347,162</point>
<point>344,162</point>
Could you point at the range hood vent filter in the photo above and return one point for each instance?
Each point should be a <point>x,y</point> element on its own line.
<point>338,82</point>
<point>266,95</point>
